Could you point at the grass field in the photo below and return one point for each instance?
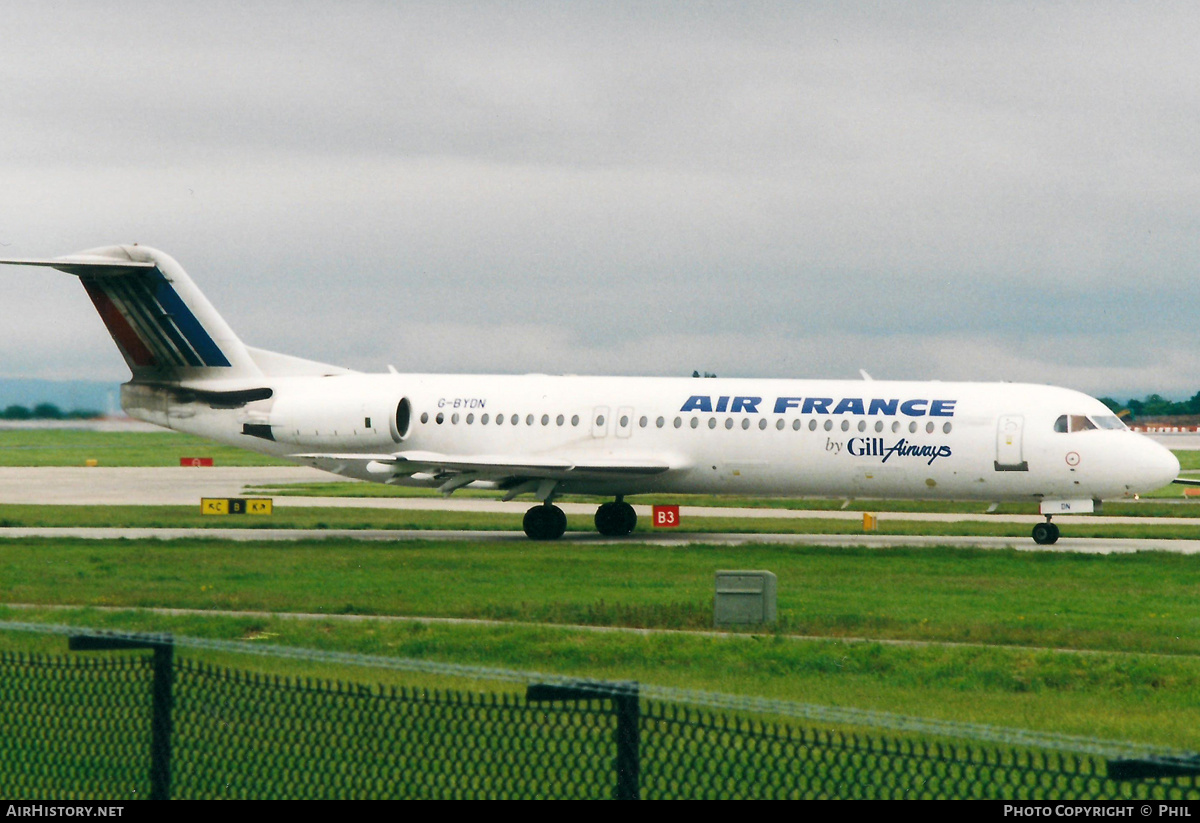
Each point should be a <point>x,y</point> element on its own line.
<point>74,447</point>
<point>1129,603</point>
<point>1136,677</point>
<point>1105,646</point>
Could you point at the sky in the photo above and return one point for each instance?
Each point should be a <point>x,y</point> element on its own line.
<point>957,191</point>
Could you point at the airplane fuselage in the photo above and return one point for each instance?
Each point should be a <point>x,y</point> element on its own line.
<point>871,439</point>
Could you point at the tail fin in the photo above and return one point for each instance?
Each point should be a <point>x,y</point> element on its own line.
<point>164,326</point>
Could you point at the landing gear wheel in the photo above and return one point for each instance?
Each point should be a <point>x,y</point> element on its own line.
<point>545,522</point>
<point>615,519</point>
<point>1045,534</point>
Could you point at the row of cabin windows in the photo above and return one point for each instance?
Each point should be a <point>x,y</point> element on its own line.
<point>499,419</point>
<point>797,424</point>
<point>678,422</point>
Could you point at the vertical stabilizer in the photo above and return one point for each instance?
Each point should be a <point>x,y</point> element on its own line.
<point>164,326</point>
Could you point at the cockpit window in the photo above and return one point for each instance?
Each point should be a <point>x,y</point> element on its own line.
<point>1081,422</point>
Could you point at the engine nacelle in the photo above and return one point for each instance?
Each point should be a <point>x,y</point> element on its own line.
<point>337,420</point>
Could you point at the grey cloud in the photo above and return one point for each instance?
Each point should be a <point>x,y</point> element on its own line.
<point>750,188</point>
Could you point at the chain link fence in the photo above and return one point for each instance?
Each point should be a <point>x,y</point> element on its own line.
<point>697,754</point>
<point>80,727</point>
<point>75,728</point>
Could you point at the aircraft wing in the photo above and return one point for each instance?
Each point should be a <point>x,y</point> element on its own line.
<point>1187,481</point>
<point>505,471</point>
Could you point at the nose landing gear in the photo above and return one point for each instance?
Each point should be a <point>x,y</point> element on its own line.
<point>1045,534</point>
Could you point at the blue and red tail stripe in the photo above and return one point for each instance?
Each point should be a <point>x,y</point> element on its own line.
<point>132,347</point>
<point>151,323</point>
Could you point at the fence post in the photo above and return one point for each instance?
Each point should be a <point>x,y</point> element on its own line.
<point>160,719</point>
<point>161,726</point>
<point>624,697</point>
<point>628,755</point>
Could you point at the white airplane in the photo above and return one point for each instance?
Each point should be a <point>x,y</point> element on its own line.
<point>611,436</point>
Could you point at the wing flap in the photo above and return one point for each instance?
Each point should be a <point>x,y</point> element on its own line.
<point>491,467</point>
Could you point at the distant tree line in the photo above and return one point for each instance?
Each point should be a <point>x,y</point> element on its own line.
<point>1155,405</point>
<point>47,411</point>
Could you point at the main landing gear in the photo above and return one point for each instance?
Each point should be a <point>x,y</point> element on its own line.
<point>547,521</point>
<point>1045,534</point>
<point>616,519</point>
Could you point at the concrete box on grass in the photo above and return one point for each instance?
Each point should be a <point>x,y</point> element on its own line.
<point>744,598</point>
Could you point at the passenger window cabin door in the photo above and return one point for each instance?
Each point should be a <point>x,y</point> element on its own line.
<point>1010,455</point>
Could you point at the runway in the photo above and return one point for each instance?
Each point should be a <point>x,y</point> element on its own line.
<point>582,540</point>
<point>174,486</point>
<point>185,486</point>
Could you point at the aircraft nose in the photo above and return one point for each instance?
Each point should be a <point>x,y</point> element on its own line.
<point>1159,466</point>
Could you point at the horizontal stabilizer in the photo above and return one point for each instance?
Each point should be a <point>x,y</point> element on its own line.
<point>84,265</point>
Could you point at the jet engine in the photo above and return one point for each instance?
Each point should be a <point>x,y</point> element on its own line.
<point>336,420</point>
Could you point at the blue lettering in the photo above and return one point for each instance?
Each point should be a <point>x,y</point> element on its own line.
<point>942,408</point>
<point>812,405</point>
<point>905,449</point>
